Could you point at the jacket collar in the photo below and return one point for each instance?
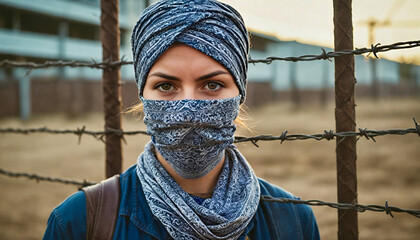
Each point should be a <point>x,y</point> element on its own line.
<point>134,205</point>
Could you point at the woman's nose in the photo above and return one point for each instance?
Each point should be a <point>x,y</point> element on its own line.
<point>189,92</point>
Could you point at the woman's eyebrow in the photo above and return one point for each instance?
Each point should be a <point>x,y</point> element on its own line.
<point>163,75</point>
<point>170,77</point>
<point>210,75</point>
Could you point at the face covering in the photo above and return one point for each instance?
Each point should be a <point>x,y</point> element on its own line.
<point>190,134</point>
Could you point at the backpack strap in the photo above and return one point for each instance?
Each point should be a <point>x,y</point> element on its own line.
<point>102,203</point>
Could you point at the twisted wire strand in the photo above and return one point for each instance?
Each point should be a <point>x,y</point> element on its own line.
<point>346,206</point>
<point>46,178</point>
<point>60,63</point>
<point>358,207</point>
<point>375,49</point>
<point>285,136</point>
<point>99,135</point>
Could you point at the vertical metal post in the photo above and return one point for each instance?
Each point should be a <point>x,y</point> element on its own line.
<point>324,88</point>
<point>110,35</point>
<point>16,22</point>
<point>375,85</point>
<point>294,86</point>
<point>63,32</point>
<point>24,93</point>
<point>345,119</point>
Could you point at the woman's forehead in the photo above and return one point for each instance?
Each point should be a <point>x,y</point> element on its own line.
<point>181,56</point>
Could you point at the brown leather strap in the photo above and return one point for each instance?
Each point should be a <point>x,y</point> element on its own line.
<point>102,203</point>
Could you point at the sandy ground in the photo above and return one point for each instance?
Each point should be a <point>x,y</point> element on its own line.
<point>387,170</point>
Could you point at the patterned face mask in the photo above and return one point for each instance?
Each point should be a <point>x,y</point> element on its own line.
<point>191,135</point>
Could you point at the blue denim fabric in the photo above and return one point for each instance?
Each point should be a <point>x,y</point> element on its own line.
<point>136,221</point>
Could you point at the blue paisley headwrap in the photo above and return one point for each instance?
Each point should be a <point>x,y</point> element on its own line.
<point>212,27</point>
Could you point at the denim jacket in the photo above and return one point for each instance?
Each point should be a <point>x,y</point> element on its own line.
<point>136,221</point>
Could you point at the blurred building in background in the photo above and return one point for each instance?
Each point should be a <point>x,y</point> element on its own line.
<point>41,30</point>
<point>308,81</point>
<point>60,30</point>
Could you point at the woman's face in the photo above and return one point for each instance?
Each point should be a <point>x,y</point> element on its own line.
<point>183,72</point>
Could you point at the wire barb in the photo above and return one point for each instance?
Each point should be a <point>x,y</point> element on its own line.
<point>79,133</point>
<point>325,55</point>
<point>328,135</point>
<point>388,210</point>
<point>254,142</point>
<point>417,126</point>
<point>363,133</point>
<point>374,49</point>
<point>283,136</point>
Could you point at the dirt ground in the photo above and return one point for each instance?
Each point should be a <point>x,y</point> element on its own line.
<point>387,170</point>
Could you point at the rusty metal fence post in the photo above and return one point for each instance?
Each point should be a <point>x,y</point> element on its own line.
<point>111,79</point>
<point>345,119</point>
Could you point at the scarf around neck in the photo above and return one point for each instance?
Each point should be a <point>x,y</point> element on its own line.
<point>225,215</point>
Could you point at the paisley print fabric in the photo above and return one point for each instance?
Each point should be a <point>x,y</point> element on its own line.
<point>191,135</point>
<point>223,216</point>
<point>211,27</point>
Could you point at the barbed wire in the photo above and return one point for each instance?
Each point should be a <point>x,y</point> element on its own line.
<point>330,135</point>
<point>99,135</point>
<point>375,49</point>
<point>345,206</point>
<point>47,64</point>
<point>358,207</point>
<point>285,136</point>
<point>46,179</point>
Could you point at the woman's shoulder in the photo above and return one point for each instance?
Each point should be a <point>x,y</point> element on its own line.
<point>74,203</point>
<point>68,219</point>
<point>301,218</point>
<point>273,190</point>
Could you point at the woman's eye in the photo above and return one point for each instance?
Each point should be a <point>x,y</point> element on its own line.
<point>164,87</point>
<point>213,85</point>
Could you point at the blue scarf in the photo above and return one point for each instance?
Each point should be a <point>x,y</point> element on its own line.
<point>223,216</point>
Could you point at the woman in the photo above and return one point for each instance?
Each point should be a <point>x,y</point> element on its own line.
<point>191,182</point>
